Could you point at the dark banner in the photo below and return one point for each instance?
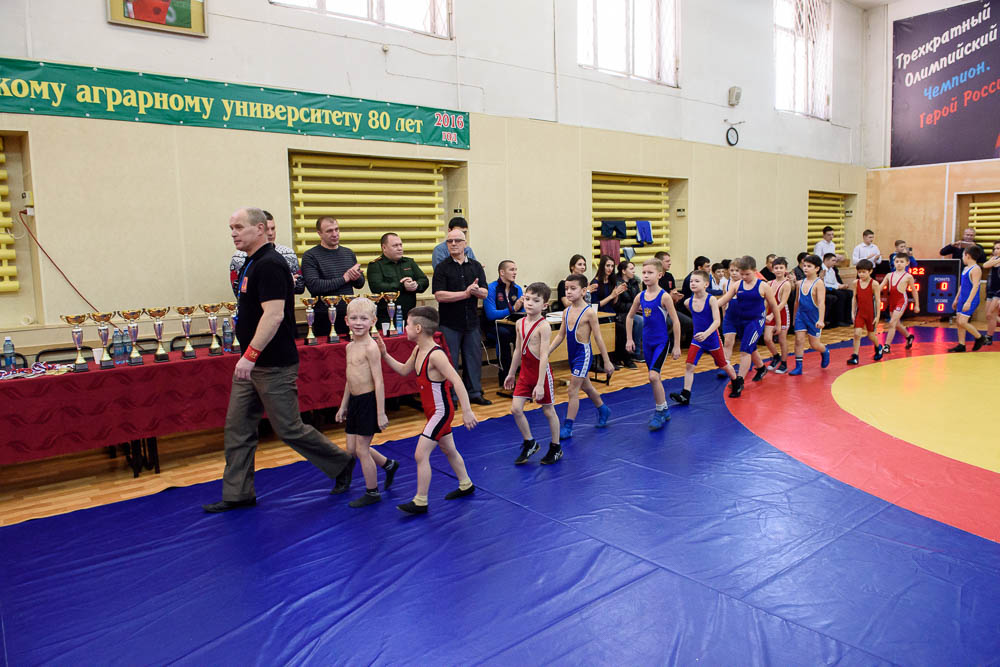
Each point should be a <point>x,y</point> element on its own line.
<point>32,87</point>
<point>946,86</point>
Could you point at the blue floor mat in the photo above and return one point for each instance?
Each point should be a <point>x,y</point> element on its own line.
<point>699,543</point>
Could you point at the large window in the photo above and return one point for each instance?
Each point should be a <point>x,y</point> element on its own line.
<point>802,56</point>
<point>430,16</point>
<point>636,38</point>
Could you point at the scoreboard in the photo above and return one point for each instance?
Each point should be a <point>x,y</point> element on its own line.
<point>935,283</point>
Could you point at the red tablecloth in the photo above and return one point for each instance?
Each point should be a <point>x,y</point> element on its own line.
<point>59,414</point>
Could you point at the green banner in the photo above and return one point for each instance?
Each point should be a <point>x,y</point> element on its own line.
<point>32,87</point>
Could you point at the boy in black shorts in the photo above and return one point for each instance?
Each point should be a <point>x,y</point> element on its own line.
<point>364,403</point>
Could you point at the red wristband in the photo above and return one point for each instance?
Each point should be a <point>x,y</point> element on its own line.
<point>251,354</point>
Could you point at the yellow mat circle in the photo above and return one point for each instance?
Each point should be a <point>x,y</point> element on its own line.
<point>944,403</point>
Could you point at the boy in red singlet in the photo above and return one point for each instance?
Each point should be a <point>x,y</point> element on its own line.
<point>782,288</point>
<point>899,283</point>
<point>535,381</point>
<point>436,378</point>
<point>866,309</point>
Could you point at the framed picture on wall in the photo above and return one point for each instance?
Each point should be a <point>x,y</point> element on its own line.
<point>183,16</point>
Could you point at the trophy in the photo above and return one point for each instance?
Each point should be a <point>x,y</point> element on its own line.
<point>213,326</point>
<point>102,320</point>
<point>157,316</point>
<point>374,298</point>
<point>331,302</point>
<point>186,311</point>
<point>80,364</point>
<point>347,299</point>
<point>132,317</point>
<point>309,302</point>
<point>390,304</point>
<point>231,307</point>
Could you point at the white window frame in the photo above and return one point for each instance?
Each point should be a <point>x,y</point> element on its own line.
<point>664,7</point>
<point>376,15</point>
<point>812,74</point>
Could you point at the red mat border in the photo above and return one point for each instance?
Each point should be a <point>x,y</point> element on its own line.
<point>819,433</point>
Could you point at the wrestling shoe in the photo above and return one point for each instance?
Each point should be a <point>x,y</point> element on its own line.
<point>826,359</point>
<point>736,387</point>
<point>782,368</point>
<point>659,419</point>
<point>979,343</point>
<point>989,341</point>
<point>366,500</point>
<point>460,492</point>
<point>412,508</point>
<point>527,449</point>
<point>603,413</point>
<point>390,468</point>
<point>797,370</point>
<point>886,349</point>
<point>680,399</point>
<point>775,361</point>
<point>958,348</point>
<point>879,351</point>
<point>853,361</point>
<point>566,430</point>
<point>909,341</point>
<point>759,375</point>
<point>554,454</point>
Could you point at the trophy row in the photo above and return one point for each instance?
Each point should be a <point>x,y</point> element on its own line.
<point>332,301</point>
<point>131,317</point>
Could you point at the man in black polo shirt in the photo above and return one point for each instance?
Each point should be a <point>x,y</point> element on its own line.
<point>458,284</point>
<point>265,376</point>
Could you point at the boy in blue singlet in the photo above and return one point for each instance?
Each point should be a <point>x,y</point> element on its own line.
<point>810,308</point>
<point>704,309</point>
<point>748,301</point>
<point>578,324</point>
<point>728,332</point>
<point>967,299</point>
<point>657,309</point>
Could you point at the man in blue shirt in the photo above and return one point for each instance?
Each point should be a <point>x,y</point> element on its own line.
<point>502,299</point>
<point>440,252</point>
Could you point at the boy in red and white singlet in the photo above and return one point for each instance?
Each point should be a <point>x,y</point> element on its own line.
<point>534,383</point>
<point>867,294</point>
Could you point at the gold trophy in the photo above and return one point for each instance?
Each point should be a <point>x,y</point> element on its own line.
<point>347,299</point>
<point>231,307</point>
<point>132,317</point>
<point>157,314</point>
<point>390,304</point>
<point>331,302</point>
<point>186,312</point>
<point>213,326</point>
<point>374,298</point>
<point>102,320</point>
<point>309,302</point>
<point>80,364</point>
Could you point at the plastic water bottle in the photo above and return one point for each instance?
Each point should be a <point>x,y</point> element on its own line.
<point>399,319</point>
<point>8,355</point>
<point>127,343</point>
<point>227,336</point>
<point>118,348</point>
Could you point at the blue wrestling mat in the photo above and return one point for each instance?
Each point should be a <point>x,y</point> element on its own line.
<point>700,543</point>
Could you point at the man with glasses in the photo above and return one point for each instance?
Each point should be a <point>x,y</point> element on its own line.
<point>441,249</point>
<point>458,284</point>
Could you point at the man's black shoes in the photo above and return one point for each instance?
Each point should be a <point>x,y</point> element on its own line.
<point>226,505</point>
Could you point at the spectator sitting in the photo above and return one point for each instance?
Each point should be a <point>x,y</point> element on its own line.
<point>838,296</point>
<point>719,271</point>
<point>608,290</point>
<point>701,263</point>
<point>440,252</point>
<point>866,249</point>
<point>767,273</point>
<point>503,298</point>
<point>799,272</point>
<point>577,265</point>
<point>632,287</point>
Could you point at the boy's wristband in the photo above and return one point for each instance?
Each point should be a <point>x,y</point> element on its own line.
<point>251,354</point>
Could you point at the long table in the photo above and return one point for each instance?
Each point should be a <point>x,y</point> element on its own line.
<point>61,414</point>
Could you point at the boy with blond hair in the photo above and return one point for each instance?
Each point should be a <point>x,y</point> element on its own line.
<point>363,406</point>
